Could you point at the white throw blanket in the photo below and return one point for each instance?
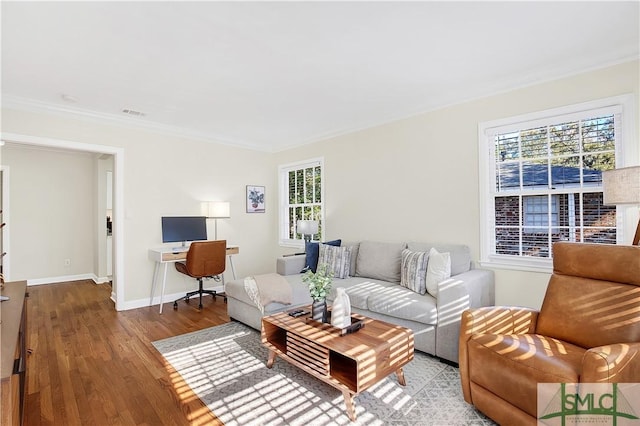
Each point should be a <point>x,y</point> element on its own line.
<point>268,288</point>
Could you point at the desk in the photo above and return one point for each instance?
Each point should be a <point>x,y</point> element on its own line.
<point>166,255</point>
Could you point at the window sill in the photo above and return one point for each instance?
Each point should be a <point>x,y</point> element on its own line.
<point>520,264</point>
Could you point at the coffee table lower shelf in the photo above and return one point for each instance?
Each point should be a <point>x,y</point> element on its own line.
<point>350,363</point>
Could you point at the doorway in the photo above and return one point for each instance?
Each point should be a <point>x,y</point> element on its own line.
<point>2,223</point>
<point>118,285</point>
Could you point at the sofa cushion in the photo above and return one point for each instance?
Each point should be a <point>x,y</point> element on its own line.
<point>359,289</point>
<point>312,250</point>
<point>413,270</point>
<point>460,254</point>
<point>438,270</point>
<point>523,361</point>
<point>338,259</point>
<point>400,302</point>
<point>379,261</point>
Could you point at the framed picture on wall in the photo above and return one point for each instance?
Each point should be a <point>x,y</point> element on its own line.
<point>255,199</point>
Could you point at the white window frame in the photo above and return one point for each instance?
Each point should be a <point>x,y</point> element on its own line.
<point>283,195</point>
<point>626,155</point>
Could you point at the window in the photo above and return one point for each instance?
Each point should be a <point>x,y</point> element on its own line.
<point>543,182</point>
<point>301,195</point>
<point>538,213</point>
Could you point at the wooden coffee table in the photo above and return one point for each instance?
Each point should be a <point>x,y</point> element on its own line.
<point>350,363</point>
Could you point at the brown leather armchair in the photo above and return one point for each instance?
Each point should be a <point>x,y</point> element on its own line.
<point>587,331</point>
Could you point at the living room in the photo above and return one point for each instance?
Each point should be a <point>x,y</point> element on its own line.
<point>413,178</point>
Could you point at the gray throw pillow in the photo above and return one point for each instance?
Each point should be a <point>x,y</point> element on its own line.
<point>379,261</point>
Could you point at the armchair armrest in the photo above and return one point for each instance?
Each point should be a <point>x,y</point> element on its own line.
<point>616,363</point>
<point>290,265</point>
<point>490,320</point>
<point>498,320</point>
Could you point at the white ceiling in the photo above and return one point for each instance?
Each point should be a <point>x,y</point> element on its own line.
<point>273,75</point>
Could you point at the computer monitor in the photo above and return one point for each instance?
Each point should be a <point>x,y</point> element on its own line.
<point>183,229</point>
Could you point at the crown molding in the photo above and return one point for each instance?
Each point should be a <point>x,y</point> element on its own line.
<point>35,106</point>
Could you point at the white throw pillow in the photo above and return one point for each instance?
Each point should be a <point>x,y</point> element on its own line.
<point>438,270</point>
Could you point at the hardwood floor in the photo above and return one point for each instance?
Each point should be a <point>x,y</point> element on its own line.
<point>91,365</point>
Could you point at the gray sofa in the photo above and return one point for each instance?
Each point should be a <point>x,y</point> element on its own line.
<point>374,290</point>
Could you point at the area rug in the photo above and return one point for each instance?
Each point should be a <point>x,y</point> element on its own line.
<point>226,367</point>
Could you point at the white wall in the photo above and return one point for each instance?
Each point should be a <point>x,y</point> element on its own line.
<point>51,206</point>
<point>413,179</point>
<point>163,175</point>
<point>417,179</point>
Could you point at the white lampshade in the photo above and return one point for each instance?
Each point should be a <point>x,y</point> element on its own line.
<point>621,186</point>
<point>219,210</point>
<point>307,227</point>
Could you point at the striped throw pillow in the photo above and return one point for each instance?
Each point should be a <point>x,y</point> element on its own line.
<point>413,270</point>
<point>338,259</point>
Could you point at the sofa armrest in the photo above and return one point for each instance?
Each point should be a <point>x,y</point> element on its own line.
<point>473,288</point>
<point>470,289</point>
<point>290,265</point>
<point>616,363</point>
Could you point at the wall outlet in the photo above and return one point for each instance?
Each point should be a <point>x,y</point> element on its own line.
<point>67,262</point>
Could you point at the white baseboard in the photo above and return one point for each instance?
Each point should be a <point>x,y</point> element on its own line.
<point>167,300</point>
<point>132,304</point>
<point>65,278</point>
<point>101,280</point>
<point>61,279</point>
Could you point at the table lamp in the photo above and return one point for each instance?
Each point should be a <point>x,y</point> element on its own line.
<point>218,210</point>
<point>307,228</point>
<point>622,186</point>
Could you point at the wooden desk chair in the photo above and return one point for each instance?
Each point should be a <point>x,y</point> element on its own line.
<point>205,259</point>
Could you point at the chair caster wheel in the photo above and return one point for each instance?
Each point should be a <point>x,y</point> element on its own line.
<point>175,306</point>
